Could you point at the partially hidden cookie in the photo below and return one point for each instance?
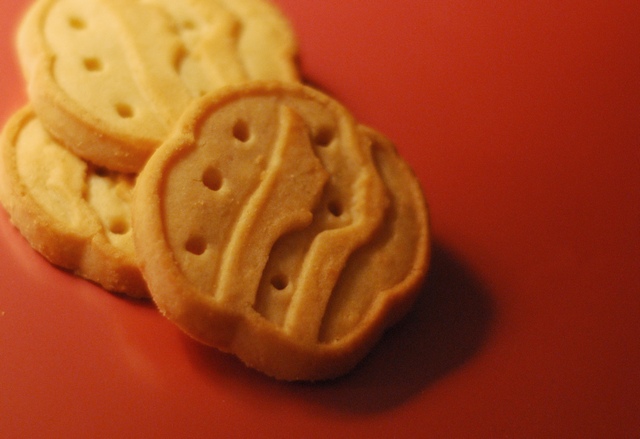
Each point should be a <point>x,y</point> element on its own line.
<point>76,216</point>
<point>108,78</point>
<point>272,226</point>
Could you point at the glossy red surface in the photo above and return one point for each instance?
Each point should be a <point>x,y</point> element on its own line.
<point>522,122</point>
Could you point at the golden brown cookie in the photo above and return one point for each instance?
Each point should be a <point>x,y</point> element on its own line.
<point>108,78</point>
<point>272,226</point>
<point>76,216</point>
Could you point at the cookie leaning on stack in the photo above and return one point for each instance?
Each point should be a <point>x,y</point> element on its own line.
<point>273,226</point>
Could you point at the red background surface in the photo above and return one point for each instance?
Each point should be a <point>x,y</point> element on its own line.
<point>522,122</point>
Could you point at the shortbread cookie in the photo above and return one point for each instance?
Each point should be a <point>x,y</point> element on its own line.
<point>270,225</point>
<point>108,78</point>
<point>73,214</point>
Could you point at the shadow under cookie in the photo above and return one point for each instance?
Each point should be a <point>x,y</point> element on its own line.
<point>448,325</point>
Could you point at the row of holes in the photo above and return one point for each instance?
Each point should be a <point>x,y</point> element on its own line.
<point>92,64</point>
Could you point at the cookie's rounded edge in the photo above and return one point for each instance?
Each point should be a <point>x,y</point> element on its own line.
<point>401,297</point>
<point>284,66</point>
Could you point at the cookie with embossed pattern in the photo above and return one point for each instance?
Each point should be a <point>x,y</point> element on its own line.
<point>108,78</point>
<point>272,226</point>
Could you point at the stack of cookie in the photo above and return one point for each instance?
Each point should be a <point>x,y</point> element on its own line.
<point>170,151</point>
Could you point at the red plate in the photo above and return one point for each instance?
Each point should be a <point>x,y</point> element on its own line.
<point>522,121</point>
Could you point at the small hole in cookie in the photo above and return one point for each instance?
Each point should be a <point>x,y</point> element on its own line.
<point>335,208</point>
<point>279,282</point>
<point>101,172</point>
<point>241,131</point>
<point>189,25</point>
<point>179,58</point>
<point>77,23</point>
<point>196,245</point>
<point>212,178</point>
<point>119,226</point>
<point>323,137</point>
<point>92,64</point>
<point>124,111</point>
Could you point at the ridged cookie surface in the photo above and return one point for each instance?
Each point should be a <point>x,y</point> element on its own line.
<point>272,226</point>
<point>108,78</point>
<point>73,214</point>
